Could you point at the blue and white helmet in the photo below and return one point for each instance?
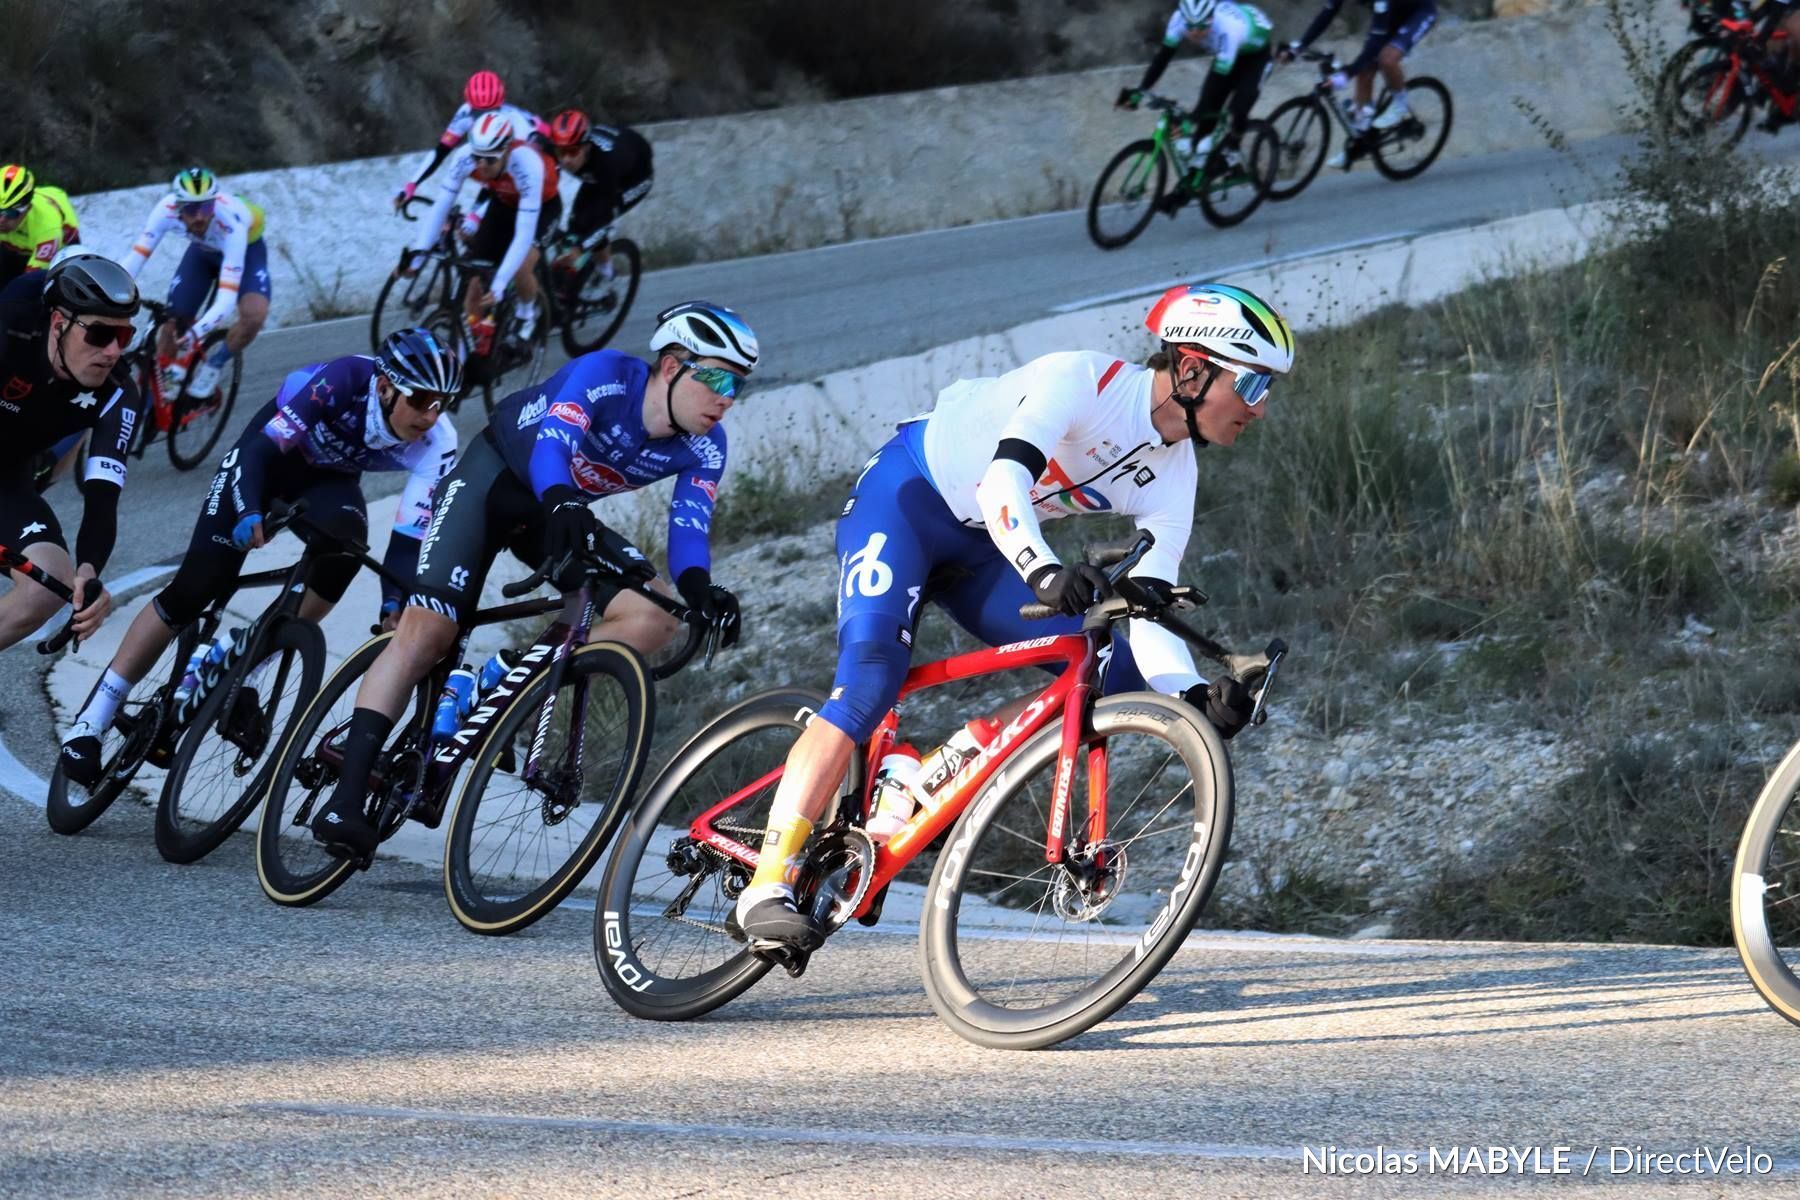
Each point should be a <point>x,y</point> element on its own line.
<point>707,330</point>
<point>417,360</point>
<point>1197,12</point>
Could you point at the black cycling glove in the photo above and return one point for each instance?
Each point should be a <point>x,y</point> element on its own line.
<point>1069,589</point>
<point>1226,703</point>
<point>716,605</point>
<point>571,532</point>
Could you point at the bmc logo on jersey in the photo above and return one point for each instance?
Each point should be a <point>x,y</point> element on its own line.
<point>595,477</point>
<point>572,413</point>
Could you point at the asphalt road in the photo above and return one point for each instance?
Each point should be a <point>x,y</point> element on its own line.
<point>170,1032</point>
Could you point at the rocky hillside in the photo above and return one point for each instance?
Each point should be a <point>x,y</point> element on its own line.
<point>110,92</point>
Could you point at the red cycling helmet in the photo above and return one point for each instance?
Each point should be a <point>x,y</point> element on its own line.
<point>569,128</point>
<point>484,90</point>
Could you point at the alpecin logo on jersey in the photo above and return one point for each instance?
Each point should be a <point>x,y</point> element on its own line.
<point>571,413</point>
<point>534,412</point>
<point>597,478</point>
<point>708,487</point>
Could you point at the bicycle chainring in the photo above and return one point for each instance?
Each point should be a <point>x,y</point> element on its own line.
<point>835,877</point>
<point>1086,885</point>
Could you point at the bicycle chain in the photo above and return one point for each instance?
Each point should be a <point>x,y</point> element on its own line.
<point>724,860</point>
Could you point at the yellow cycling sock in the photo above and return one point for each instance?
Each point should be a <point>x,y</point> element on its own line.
<point>778,863</point>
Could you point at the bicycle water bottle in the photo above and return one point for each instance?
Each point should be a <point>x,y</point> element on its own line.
<point>943,764</point>
<point>495,670</point>
<point>190,674</point>
<point>481,334</point>
<point>894,781</point>
<point>454,702</point>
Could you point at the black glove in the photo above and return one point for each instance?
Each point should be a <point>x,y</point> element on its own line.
<point>716,605</point>
<point>1287,53</point>
<point>571,531</point>
<point>1069,590</point>
<point>1226,703</point>
<point>1128,98</point>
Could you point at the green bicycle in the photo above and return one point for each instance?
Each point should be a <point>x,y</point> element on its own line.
<point>1135,185</point>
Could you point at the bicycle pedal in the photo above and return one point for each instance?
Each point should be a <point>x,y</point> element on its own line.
<point>343,853</point>
<point>791,959</point>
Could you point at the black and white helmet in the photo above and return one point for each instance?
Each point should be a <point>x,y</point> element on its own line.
<point>707,330</point>
<point>91,285</point>
<point>417,360</point>
<point>1197,12</point>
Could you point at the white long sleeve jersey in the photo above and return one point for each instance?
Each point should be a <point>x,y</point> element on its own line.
<point>1089,415</point>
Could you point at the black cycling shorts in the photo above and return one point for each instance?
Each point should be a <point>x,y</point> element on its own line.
<point>26,518</point>
<point>209,570</point>
<point>495,233</point>
<point>480,509</point>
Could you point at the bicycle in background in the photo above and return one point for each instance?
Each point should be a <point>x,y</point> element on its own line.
<point>1136,185</point>
<point>1303,124</point>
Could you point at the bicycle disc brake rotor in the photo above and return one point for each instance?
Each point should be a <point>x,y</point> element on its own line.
<point>1086,886</point>
<point>835,876</point>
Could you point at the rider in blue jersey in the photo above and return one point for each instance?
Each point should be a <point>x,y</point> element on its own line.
<point>328,425</point>
<point>605,423</point>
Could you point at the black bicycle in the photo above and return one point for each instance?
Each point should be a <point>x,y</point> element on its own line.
<point>1303,130</point>
<point>547,760</point>
<point>213,735</point>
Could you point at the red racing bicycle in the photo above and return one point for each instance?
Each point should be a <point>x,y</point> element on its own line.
<point>1083,842</point>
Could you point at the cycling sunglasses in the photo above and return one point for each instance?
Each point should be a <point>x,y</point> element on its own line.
<point>421,400</point>
<point>194,208</point>
<point>104,335</point>
<point>1250,385</point>
<point>718,380</point>
<point>15,212</point>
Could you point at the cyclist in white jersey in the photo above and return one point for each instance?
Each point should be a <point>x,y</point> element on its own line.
<point>484,93</point>
<point>225,244</point>
<point>964,490</point>
<point>522,180</point>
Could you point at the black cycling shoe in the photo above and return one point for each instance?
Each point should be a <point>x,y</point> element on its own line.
<point>341,826</point>
<point>775,922</point>
<point>80,760</point>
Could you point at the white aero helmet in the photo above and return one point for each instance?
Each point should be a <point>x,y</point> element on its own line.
<point>1225,321</point>
<point>706,330</point>
<point>1197,12</point>
<point>490,137</point>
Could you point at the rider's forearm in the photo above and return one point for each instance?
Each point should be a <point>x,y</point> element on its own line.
<point>1164,56</point>
<point>1325,17</point>
<point>1004,497</point>
<point>402,561</point>
<point>99,523</point>
<point>224,308</point>
<point>439,153</point>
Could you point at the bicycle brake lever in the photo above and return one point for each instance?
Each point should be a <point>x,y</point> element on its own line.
<point>1260,712</point>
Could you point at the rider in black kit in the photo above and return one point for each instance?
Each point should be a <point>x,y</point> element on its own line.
<point>62,332</point>
<point>614,164</point>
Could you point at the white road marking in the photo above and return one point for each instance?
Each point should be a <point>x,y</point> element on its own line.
<point>801,1134</point>
<point>1152,289</point>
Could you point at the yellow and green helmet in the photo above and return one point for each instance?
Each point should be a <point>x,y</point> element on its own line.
<point>16,186</point>
<point>194,185</point>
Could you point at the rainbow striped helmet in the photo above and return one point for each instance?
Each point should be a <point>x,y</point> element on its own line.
<point>1224,320</point>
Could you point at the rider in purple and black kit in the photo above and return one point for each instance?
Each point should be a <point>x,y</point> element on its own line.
<point>329,424</point>
<point>606,423</point>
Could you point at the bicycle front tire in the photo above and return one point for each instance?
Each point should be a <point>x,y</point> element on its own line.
<point>195,426</point>
<point>1422,89</point>
<point>487,850</point>
<point>1141,176</point>
<point>1766,877</point>
<point>1230,201</point>
<point>997,923</point>
<point>628,270</point>
<point>1302,135</point>
<point>188,828</point>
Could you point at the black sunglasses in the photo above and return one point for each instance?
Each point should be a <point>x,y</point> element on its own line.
<point>16,211</point>
<point>104,335</point>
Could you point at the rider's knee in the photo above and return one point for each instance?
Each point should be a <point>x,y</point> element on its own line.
<point>1389,57</point>
<point>423,637</point>
<point>872,662</point>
